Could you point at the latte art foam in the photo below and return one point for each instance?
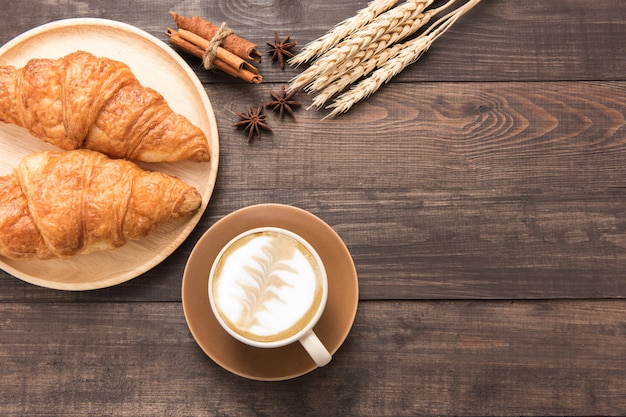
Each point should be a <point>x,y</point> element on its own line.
<point>267,286</point>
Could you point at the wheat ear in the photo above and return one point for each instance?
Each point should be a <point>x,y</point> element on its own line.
<point>366,61</point>
<point>408,54</point>
<point>370,53</point>
<point>341,30</point>
<point>359,40</point>
<point>364,68</point>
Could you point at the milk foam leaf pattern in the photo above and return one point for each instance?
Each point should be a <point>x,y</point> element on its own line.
<point>266,274</point>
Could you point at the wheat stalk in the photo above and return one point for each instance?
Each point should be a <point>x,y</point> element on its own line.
<point>360,40</point>
<point>366,61</point>
<point>373,50</point>
<point>347,78</point>
<point>341,30</point>
<point>410,52</point>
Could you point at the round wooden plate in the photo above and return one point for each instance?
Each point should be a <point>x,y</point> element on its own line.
<point>156,65</point>
<point>292,360</point>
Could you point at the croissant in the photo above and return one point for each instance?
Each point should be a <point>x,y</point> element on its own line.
<point>59,204</point>
<point>83,101</point>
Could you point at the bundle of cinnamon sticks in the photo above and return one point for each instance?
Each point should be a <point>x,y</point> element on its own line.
<point>228,52</point>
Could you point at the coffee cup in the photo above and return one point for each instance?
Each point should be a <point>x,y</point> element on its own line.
<point>268,288</point>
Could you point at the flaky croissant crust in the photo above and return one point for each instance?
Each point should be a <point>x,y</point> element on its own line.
<point>60,204</point>
<point>84,101</point>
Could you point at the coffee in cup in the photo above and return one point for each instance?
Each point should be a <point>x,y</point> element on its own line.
<point>268,288</point>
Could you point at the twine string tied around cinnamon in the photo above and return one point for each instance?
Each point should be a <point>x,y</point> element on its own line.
<point>211,51</point>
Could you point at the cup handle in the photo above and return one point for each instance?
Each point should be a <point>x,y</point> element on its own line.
<point>315,348</point>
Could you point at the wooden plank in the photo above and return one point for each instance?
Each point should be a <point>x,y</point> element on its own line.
<point>401,358</point>
<point>424,245</point>
<point>455,136</point>
<point>448,136</point>
<point>504,40</point>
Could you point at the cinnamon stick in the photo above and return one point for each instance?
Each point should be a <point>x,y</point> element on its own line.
<point>197,51</point>
<point>233,43</point>
<point>226,56</point>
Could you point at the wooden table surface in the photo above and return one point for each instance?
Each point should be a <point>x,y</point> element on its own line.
<point>481,193</point>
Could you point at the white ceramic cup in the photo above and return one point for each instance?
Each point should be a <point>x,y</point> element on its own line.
<point>268,288</point>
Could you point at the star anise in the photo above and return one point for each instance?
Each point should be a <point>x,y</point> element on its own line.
<point>281,49</point>
<point>283,102</point>
<point>252,122</point>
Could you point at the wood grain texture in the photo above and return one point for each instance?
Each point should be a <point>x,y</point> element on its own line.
<point>500,40</point>
<point>482,194</point>
<point>401,358</point>
<point>503,40</point>
<point>534,246</point>
<point>442,136</point>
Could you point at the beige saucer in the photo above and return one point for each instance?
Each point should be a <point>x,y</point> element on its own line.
<point>281,363</point>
